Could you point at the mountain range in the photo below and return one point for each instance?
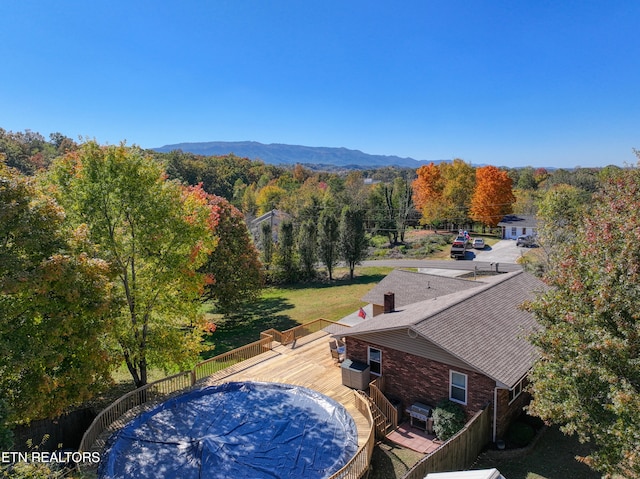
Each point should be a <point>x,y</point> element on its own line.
<point>280,154</point>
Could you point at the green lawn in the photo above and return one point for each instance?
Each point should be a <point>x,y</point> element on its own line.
<point>284,307</point>
<point>553,457</point>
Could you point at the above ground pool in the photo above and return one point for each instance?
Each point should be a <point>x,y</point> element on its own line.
<point>235,430</point>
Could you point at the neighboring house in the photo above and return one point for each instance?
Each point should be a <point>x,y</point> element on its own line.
<point>461,340</point>
<point>518,225</point>
<point>274,218</point>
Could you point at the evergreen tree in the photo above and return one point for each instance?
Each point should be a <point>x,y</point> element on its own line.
<point>353,240</point>
<point>328,236</point>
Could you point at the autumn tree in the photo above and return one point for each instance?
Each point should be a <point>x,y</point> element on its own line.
<point>233,268</point>
<point>428,195</point>
<point>459,183</point>
<point>588,378</point>
<point>493,196</point>
<point>268,198</point>
<point>155,235</point>
<point>353,240</point>
<point>54,307</point>
<point>328,236</point>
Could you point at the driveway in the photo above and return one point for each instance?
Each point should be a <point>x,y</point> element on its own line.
<point>504,251</point>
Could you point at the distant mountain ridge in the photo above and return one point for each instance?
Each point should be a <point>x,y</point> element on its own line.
<point>278,154</point>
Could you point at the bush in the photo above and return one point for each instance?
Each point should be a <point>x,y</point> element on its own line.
<point>379,241</point>
<point>520,434</point>
<point>448,419</point>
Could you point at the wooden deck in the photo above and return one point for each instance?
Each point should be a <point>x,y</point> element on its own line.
<point>307,363</point>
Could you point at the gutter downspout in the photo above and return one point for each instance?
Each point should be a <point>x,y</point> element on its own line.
<point>495,413</point>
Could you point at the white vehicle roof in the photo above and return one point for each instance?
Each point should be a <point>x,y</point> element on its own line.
<point>479,474</point>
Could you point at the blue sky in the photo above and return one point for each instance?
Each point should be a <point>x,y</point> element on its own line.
<point>505,82</point>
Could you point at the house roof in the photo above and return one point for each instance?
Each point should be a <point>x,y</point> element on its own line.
<point>268,215</point>
<point>410,287</point>
<point>483,326</point>
<point>526,221</point>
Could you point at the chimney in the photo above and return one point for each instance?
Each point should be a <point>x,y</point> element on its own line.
<point>389,302</point>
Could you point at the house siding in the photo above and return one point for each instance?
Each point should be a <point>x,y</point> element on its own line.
<point>507,232</point>
<point>419,346</point>
<point>412,378</point>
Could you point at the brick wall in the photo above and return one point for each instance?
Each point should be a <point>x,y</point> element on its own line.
<point>508,412</point>
<point>411,378</point>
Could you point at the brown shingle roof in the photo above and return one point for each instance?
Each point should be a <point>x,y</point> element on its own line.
<point>482,326</point>
<point>410,287</point>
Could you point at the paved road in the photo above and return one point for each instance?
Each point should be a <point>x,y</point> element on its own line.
<point>503,254</point>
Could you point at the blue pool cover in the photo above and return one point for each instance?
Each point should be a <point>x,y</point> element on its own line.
<point>235,430</point>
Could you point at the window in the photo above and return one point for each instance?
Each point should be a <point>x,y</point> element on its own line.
<point>516,391</point>
<point>514,232</point>
<point>375,361</point>
<point>458,387</point>
<point>524,231</point>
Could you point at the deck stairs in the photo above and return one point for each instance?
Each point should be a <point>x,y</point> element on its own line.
<point>382,423</point>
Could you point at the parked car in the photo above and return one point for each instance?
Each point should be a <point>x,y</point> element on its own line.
<point>478,243</point>
<point>527,241</point>
<point>459,248</point>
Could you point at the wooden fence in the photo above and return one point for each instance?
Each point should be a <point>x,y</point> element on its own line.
<point>459,452</point>
<point>111,417</point>
<point>358,466</point>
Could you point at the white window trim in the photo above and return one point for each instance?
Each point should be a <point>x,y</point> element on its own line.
<point>519,387</point>
<point>369,348</point>
<point>466,387</point>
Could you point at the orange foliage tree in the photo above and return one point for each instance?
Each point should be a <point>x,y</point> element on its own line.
<point>493,196</point>
<point>428,190</point>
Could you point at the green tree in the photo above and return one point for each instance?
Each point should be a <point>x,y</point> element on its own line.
<point>308,247</point>
<point>588,378</point>
<point>266,243</point>
<point>155,235</point>
<point>286,259</point>
<point>54,307</point>
<point>233,267</point>
<point>460,181</point>
<point>353,239</point>
<point>328,236</point>
<point>559,216</point>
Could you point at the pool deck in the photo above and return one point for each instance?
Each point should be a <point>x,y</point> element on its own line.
<point>307,363</point>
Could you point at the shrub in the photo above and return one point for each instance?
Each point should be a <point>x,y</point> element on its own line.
<point>448,419</point>
<point>520,434</point>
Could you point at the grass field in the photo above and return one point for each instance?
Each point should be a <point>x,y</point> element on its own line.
<point>284,307</point>
<point>553,457</point>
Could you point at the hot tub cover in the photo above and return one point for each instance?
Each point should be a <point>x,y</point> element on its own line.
<point>235,430</point>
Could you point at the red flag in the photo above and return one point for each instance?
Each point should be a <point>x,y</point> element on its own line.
<point>362,314</point>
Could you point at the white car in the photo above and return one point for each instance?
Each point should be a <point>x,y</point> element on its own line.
<point>478,243</point>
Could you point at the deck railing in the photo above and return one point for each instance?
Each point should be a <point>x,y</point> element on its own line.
<point>387,408</point>
<point>109,418</point>
<point>291,335</point>
<point>358,466</point>
<point>222,361</point>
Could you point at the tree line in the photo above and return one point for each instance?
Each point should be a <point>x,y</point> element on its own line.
<point>104,261</point>
<point>106,252</point>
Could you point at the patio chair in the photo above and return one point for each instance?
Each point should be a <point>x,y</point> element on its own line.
<point>335,354</point>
